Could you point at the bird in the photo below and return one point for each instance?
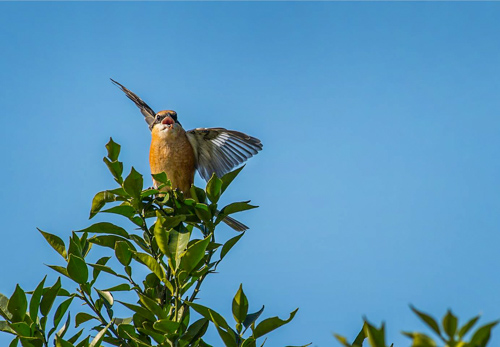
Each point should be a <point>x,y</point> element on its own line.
<point>181,153</point>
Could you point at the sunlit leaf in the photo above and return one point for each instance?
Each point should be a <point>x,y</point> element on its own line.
<point>56,242</point>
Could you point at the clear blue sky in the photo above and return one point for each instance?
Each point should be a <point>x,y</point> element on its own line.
<point>379,178</point>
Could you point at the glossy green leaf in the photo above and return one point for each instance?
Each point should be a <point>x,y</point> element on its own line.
<point>133,184</point>
<point>240,306</point>
<point>203,212</point>
<point>431,322</point>
<point>151,263</point>
<point>60,269</point>
<point>118,288</point>
<point>56,242</point>
<point>123,210</point>
<point>77,269</point>
<point>375,336</point>
<point>209,314</point>
<point>166,326</point>
<point>105,228</point>
<point>252,318</point>
<point>107,269</point>
<point>196,330</point>
<point>269,324</point>
<point>214,187</point>
<point>113,149</point>
<point>21,328</point>
<point>4,311</point>
<point>139,310</point>
<point>108,241</point>
<point>236,207</point>
<point>100,335</point>
<point>450,323</point>
<point>48,297</point>
<point>152,306</point>
<point>82,317</point>
<point>60,312</point>
<point>194,254</point>
<point>177,243</point>
<point>229,244</point>
<point>99,200</point>
<point>161,235</point>
<point>162,178</point>
<point>5,327</point>
<point>229,177</point>
<point>35,300</point>
<point>62,343</point>
<point>467,326</point>
<point>420,340</point>
<point>14,342</point>
<point>18,304</point>
<point>123,253</point>
<point>116,169</point>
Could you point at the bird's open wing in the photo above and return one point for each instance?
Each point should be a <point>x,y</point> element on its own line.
<point>219,150</point>
<point>146,111</point>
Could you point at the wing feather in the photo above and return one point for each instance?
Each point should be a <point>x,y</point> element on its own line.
<point>147,112</point>
<point>218,150</point>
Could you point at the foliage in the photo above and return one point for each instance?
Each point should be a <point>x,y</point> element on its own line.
<point>450,333</point>
<point>176,244</point>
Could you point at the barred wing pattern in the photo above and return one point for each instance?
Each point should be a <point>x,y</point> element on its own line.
<point>219,150</point>
<point>147,112</point>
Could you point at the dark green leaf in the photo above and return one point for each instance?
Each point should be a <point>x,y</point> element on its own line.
<point>109,241</point>
<point>240,306</point>
<point>194,254</point>
<point>162,178</point>
<point>203,212</point>
<point>374,335</point>
<point>107,269</point>
<point>133,184</point>
<point>431,322</point>
<point>4,312</point>
<point>56,242</point>
<point>100,335</point>
<point>60,269</point>
<point>105,228</point>
<point>35,300</point>
<point>61,310</point>
<point>229,177</point>
<point>77,269</point>
<point>123,253</point>
<point>99,200</point>
<point>48,298</point>
<point>269,324</point>
<point>196,330</point>
<point>177,243</point>
<point>61,343</point>
<point>229,244</point>
<point>75,337</point>
<point>82,317</point>
<point>18,304</point>
<point>166,326</point>
<point>152,306</point>
<point>420,340</point>
<point>118,288</point>
<point>21,328</point>
<point>113,149</point>
<point>482,335</point>
<point>467,326</point>
<point>123,210</point>
<point>450,323</point>
<point>151,263</point>
<point>116,169</point>
<point>237,207</point>
<point>14,342</point>
<point>210,314</point>
<point>140,311</point>
<point>252,317</point>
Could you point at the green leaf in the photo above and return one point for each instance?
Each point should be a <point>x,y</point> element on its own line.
<point>4,311</point>
<point>229,244</point>
<point>107,269</point>
<point>5,327</point>
<point>152,306</point>
<point>35,300</point>
<point>210,314</point>
<point>113,149</point>
<point>123,253</point>
<point>116,169</point>
<point>56,242</point>
<point>61,343</point>
<point>21,328</point>
<point>194,254</point>
<point>77,269</point>
<point>358,341</point>
<point>60,269</point>
<point>100,335</point>
<point>161,178</point>
<point>450,323</point>
<point>166,326</point>
<point>177,243</point>
<point>240,306</point>
<point>105,228</point>
<point>482,335</point>
<point>229,177</point>
<point>342,340</point>
<point>133,184</point>
<point>161,235</point>
<point>237,207</point>
<point>61,310</point>
<point>214,187</point>
<point>420,340</point>
<point>14,342</point>
<point>141,311</point>
<point>374,335</point>
<point>467,326</point>
<point>195,330</point>
<point>269,324</point>
<point>118,288</point>
<point>99,200</point>
<point>151,263</point>
<point>252,318</point>
<point>431,322</point>
<point>123,210</point>
<point>203,212</point>
<point>48,297</point>
<point>18,304</point>
<point>109,241</point>
<point>82,317</point>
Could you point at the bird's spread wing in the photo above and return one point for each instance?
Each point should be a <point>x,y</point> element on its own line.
<point>219,150</point>
<point>146,111</point>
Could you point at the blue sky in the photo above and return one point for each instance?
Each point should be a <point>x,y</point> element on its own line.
<point>378,184</point>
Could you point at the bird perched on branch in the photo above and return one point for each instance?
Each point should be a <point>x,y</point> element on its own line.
<point>180,153</point>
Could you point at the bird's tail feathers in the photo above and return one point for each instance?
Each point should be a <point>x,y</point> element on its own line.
<point>233,223</point>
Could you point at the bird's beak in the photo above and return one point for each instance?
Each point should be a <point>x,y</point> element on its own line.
<point>168,121</point>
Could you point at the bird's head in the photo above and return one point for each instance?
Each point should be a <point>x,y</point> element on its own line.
<point>166,121</point>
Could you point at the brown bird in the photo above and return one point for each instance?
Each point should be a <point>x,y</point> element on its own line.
<point>180,153</point>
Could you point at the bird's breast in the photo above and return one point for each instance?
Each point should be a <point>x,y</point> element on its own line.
<point>172,153</point>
